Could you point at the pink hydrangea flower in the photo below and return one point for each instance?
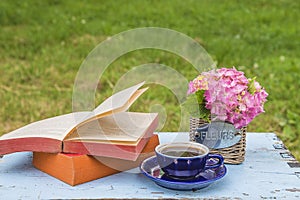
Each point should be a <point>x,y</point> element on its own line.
<point>199,83</point>
<point>230,96</point>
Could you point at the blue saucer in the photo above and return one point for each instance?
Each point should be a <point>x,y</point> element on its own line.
<point>152,170</point>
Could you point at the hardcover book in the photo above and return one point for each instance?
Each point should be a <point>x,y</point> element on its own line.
<point>75,169</point>
<point>108,130</point>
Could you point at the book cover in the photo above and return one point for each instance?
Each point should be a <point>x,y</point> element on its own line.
<point>75,169</point>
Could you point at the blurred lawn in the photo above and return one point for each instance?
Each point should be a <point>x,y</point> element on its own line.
<point>43,43</point>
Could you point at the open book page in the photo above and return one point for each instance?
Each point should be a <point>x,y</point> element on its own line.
<point>121,127</point>
<point>126,106</point>
<point>118,102</point>
<point>54,128</point>
<point>92,115</point>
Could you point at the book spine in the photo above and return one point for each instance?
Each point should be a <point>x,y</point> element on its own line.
<point>30,144</point>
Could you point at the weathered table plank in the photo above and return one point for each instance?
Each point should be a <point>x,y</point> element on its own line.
<point>265,174</point>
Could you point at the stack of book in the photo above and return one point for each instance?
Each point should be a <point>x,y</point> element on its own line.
<point>83,146</point>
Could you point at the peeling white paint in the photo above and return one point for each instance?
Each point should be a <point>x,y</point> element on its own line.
<point>263,175</point>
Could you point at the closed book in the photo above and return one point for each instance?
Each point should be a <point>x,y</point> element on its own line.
<point>75,169</point>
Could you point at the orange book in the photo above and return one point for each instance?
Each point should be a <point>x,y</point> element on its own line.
<point>75,169</point>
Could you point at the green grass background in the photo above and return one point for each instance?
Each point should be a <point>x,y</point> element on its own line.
<point>43,43</point>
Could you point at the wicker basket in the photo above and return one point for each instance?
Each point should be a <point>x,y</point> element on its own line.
<point>232,155</point>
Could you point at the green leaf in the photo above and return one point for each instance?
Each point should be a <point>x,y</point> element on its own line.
<point>195,106</point>
<point>251,87</point>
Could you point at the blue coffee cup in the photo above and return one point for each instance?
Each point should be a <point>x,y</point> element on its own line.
<point>186,159</point>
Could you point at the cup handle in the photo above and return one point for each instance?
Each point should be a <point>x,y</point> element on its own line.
<point>216,165</point>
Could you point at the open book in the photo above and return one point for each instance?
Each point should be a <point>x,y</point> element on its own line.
<point>108,130</point>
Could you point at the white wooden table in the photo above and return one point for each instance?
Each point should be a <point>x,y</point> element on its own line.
<point>267,173</point>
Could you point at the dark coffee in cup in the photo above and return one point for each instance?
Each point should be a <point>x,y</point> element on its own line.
<point>179,151</point>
